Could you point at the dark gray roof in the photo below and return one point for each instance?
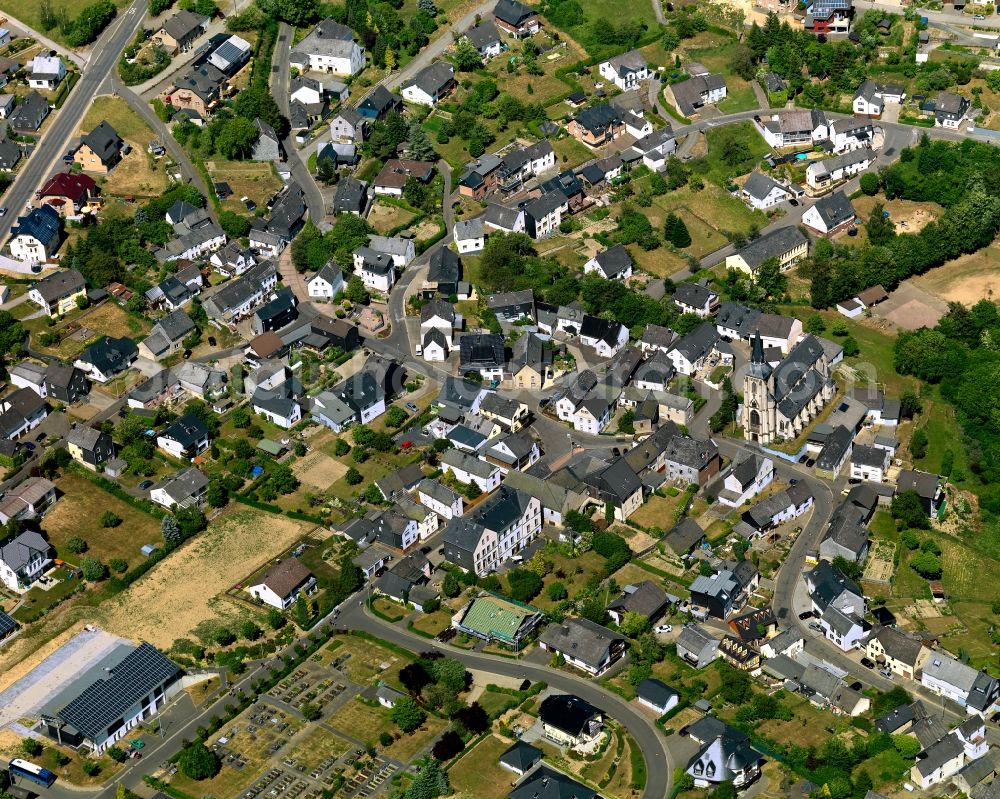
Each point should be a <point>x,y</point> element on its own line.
<point>772,245</point>
<point>102,704</point>
<point>693,294</point>
<point>545,782</point>
<point>483,35</point>
<point>433,78</point>
<point>583,639</point>
<point>614,260</point>
<point>835,209</point>
<point>655,691</point>
<point>481,350</point>
<point>836,447</point>
<point>645,598</point>
<point>759,186</point>
<point>684,536</point>
<point>104,141</point>
<point>521,756</point>
<point>596,119</point>
<point>935,756</point>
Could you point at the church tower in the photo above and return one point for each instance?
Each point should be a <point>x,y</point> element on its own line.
<point>759,413</point>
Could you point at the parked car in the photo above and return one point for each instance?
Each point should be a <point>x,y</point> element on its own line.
<point>411,407</point>
<point>41,436</point>
<point>807,615</point>
<point>145,484</point>
<point>887,673</point>
<point>815,625</point>
<point>979,16</point>
<point>211,341</point>
<point>3,211</point>
<point>664,628</point>
<point>868,663</point>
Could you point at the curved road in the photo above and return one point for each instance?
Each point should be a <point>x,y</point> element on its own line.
<point>659,761</point>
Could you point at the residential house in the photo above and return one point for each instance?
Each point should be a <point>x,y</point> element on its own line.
<point>531,362</point>
<point>725,755</point>
<point>789,642</point>
<point>377,270</point>
<point>100,150</point>
<point>329,48</point>
<point>186,488</point>
<point>180,30</point>
<point>926,485</point>
<point>470,235</point>
<point>431,84</point>
<point>276,313</point>
<point>760,192</point>
<point>845,630</point>
<point>614,263</point>
<point>486,39</point>
<point>869,463</point>
<point>67,193</point>
<point>512,414</point>
<point>626,71</point>
<point>950,110</point>
<point>606,336</point>
<point>791,127</point>
<point>482,353</point>
<point>392,179</point>
<point>444,272</point>
<point>445,502</point>
<point>828,586</point>
<point>267,146</point>
<point>835,453</point>
<point>21,411</point>
<point>963,685</point>
<point>748,475</point>
<point>697,91</point>
<point>787,244</point>
<point>45,72</point>
<point>106,358</point>
<point>512,305</point>
<point>684,537</point>
<point>493,531</point>
<point>724,591</point>
<point>543,215</point>
<point>185,438</point>
<point>780,507</point>
<point>697,645</point>
<point>57,293</point>
<point>29,114</point>
<point>696,299</point>
<point>570,721</point>
<point>516,19</point>
<point>23,559</point>
<point>617,485</point>
<point>469,469</point>
<point>584,644</point>
<point>234,299</point>
<point>327,283</point>
<point>379,103</point>
<point>545,782</point>
<point>901,653</point>
<point>830,215</point>
<point>65,383</point>
<point>89,447</point>
<point>656,695</point>
<point>823,173</point>
<point>283,583</point>
<point>645,598</point>
<point>347,126</point>
<point>36,236</point>
<point>597,125</point>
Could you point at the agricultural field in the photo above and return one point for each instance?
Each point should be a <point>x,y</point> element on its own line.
<point>77,513</point>
<point>182,591</point>
<point>138,174</point>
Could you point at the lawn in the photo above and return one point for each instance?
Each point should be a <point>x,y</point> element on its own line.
<point>712,206</point>
<point>385,217</point>
<point>29,13</point>
<point>77,513</point>
<point>614,13</point>
<point>493,702</point>
<point>433,623</point>
<point>479,774</point>
<point>407,747</point>
<point>83,329</point>
<point>733,150</point>
<point>252,179</point>
<point>944,434</point>
<point>658,512</point>
<point>377,466</point>
<point>570,153</point>
<point>367,661</point>
<point>544,88</point>
<point>574,574</point>
<point>368,722</point>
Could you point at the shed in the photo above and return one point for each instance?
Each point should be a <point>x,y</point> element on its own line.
<point>273,448</point>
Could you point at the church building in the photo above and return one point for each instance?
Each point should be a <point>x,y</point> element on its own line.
<point>779,403</point>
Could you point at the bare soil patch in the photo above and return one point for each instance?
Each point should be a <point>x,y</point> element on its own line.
<point>319,470</point>
<point>967,279</point>
<point>181,592</point>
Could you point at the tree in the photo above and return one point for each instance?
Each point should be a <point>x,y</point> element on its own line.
<point>235,225</point>
<point>930,545</point>
<point>93,570</point>
<point>116,753</point>
<point>910,539</point>
<point>451,674</point>
<point>736,687</point>
<point>473,718</point>
<point>198,762</point>
<point>869,183</point>
<point>302,613</point>
<point>326,170</point>
<point>414,677</point>
<point>353,476</point>
<point>466,57</point>
<point>851,347</point>
<point>524,584</point>
<point>236,139</point>
<point>110,519</point>
<point>556,591</point>
<point>250,631</point>
<point>311,712</point>
<point>907,746</point>
<point>918,444</point>
<point>815,324</point>
<point>926,565</point>
<point>633,624</point>
<point>341,448</point>
<point>626,422</point>
<point>396,416</point>
<point>879,227</point>
<point>76,545</point>
<point>909,509</point>
<point>118,565</point>
<point>217,495</point>
<point>31,747</point>
<point>356,291</point>
<point>373,495</point>
<point>385,738</point>
<point>223,636</point>
<point>170,530</point>
<point>447,746</point>
<point>274,619</point>
<point>407,714</point>
<point>449,586</point>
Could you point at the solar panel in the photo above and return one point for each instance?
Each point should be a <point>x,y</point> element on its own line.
<point>7,625</point>
<point>105,701</point>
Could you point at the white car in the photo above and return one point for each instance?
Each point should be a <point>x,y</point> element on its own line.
<point>664,628</point>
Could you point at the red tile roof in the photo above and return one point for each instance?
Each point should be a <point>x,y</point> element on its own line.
<point>75,187</point>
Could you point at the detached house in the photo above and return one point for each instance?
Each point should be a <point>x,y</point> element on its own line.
<point>45,72</point>
<point>760,192</point>
<point>89,447</point>
<point>67,193</point>
<point>482,353</point>
<point>900,653</point>
<point>184,489</point>
<point>830,215</point>
<point>486,39</point>
<point>569,721</point>
<point>597,125</point>
<point>30,113</point>
<point>950,110</point>
<point>697,91</point>
<point>327,283</point>
<point>185,438</point>
<point>180,31</point>
<point>584,644</point>
<point>516,19</point>
<point>23,560</point>
<point>281,585</point>
<point>696,299</point>
<point>626,71</point>
<point>100,150</point>
<point>56,294</point>
<point>329,48</point>
<point>36,236</point>
<point>431,85</point>
<point>615,263</point>
<point>107,358</point>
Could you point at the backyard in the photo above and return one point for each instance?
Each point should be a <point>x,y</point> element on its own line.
<point>253,179</point>
<point>138,174</point>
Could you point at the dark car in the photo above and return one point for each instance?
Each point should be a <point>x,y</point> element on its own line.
<point>811,462</point>
<point>187,354</point>
<point>211,341</point>
<point>793,202</point>
<point>807,615</point>
<point>145,484</point>
<point>856,685</point>
<point>868,663</point>
<point>28,446</point>
<point>41,436</point>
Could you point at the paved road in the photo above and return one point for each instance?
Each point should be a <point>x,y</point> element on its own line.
<point>47,156</point>
<point>280,79</point>
<point>187,168</point>
<point>659,760</point>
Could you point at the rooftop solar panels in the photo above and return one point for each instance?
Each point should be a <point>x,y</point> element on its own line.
<point>7,625</point>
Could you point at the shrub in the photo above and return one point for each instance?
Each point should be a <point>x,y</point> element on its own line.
<point>93,570</point>
<point>198,762</point>
<point>76,545</point>
<point>110,519</point>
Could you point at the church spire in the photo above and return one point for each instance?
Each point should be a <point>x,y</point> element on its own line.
<point>757,349</point>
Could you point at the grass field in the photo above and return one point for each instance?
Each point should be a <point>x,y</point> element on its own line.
<point>740,140</point>
<point>108,319</point>
<point>368,661</point>
<point>658,512</point>
<point>433,623</point>
<point>138,174</point>
<point>252,179</point>
<point>384,217</point>
<point>77,513</point>
<point>479,774</point>
<point>317,746</point>
<point>365,722</point>
<point>545,87</point>
<point>576,571</point>
<point>28,12</point>
<point>967,279</point>
<point>182,591</point>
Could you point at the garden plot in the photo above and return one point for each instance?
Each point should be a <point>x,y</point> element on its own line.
<point>880,565</point>
<point>319,470</point>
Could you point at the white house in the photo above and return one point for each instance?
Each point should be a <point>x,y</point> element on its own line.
<point>656,696</point>
<point>36,236</point>
<point>277,408</point>
<point>626,71</point>
<point>401,250</point>
<point>825,172</point>
<point>469,469</point>
<point>185,489</point>
<point>377,270</point>
<point>327,283</point>
<point>614,263</point>
<point>607,337</point>
<point>869,463</point>
<point>185,438</point>
<point>761,193</point>
<point>437,327</point>
<point>842,629</point>
<point>439,498</point>
<point>470,235</point>
<point>430,85</point>
<point>748,475</point>
<point>281,584</point>
<point>45,72</point>
<point>23,560</point>
<point>329,48</point>
<point>851,134</point>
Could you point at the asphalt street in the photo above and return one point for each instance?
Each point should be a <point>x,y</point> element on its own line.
<point>47,157</point>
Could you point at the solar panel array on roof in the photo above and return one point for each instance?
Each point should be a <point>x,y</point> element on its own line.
<point>7,625</point>
<point>105,701</point>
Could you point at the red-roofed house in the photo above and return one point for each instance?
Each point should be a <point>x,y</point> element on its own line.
<point>68,193</point>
